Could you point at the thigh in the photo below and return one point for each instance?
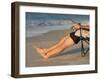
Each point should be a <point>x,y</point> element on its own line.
<point>69,42</point>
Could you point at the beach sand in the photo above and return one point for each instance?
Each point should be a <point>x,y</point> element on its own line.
<point>70,56</point>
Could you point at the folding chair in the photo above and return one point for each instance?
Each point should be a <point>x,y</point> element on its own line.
<point>86,40</point>
<point>83,51</point>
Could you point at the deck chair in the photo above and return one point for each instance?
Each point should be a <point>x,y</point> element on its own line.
<point>82,39</point>
<point>86,40</point>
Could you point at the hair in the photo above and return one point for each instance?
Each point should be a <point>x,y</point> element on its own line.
<point>79,23</point>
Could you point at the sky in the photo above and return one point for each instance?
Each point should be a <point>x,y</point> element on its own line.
<point>38,23</point>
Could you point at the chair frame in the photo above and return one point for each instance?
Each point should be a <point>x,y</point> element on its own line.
<point>83,51</point>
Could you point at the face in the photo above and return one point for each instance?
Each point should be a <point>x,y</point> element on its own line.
<point>76,26</point>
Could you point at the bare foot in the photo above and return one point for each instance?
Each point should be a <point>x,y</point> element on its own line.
<point>41,51</point>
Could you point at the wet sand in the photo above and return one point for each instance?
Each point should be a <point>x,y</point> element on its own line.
<point>70,56</point>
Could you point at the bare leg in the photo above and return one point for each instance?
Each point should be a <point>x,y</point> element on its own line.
<point>57,44</point>
<point>45,50</point>
<point>66,43</point>
<point>57,48</point>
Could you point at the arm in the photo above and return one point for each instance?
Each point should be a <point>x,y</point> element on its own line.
<point>78,26</point>
<point>85,27</point>
<point>82,27</point>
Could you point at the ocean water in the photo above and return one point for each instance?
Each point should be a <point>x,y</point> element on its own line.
<point>40,31</point>
<point>39,23</point>
<point>37,28</point>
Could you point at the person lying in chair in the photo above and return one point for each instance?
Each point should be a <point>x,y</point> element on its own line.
<point>65,42</point>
